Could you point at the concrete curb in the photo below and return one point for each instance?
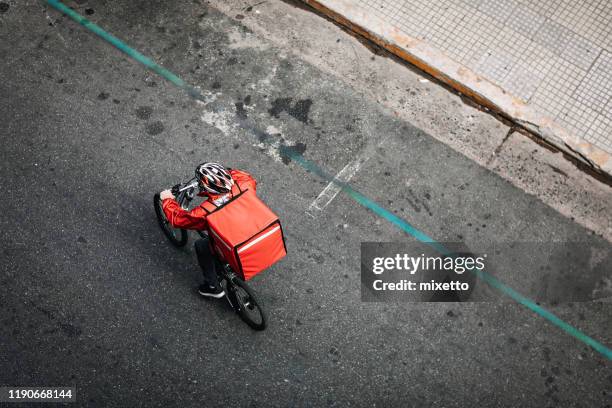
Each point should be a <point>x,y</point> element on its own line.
<point>463,80</point>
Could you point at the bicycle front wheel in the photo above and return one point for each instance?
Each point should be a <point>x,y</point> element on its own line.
<point>247,306</point>
<point>177,236</point>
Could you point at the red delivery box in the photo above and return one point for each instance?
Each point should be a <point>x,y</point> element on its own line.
<point>246,233</point>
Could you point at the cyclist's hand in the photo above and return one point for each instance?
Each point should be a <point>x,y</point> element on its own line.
<point>166,194</point>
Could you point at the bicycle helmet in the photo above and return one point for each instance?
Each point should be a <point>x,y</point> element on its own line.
<point>213,178</point>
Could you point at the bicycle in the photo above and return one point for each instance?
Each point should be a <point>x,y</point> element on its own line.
<point>240,296</point>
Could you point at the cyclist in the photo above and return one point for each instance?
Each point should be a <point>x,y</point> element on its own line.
<point>215,183</point>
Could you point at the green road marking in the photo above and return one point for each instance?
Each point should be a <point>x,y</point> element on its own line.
<point>354,194</point>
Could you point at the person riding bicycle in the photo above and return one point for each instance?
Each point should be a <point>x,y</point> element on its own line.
<point>215,182</point>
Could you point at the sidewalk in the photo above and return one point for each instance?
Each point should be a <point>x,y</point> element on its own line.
<point>546,65</point>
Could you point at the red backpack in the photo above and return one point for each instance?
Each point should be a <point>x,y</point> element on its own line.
<point>245,233</point>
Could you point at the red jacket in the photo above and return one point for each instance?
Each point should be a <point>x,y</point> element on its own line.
<point>195,219</point>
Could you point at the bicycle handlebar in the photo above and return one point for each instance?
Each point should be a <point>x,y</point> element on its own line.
<point>179,188</point>
<point>193,184</point>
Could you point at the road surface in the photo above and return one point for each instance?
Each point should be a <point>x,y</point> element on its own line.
<point>94,296</point>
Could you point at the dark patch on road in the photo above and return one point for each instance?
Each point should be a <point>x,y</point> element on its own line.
<point>546,354</point>
<point>156,343</point>
<point>144,112</point>
<point>4,7</point>
<point>263,137</point>
<point>240,111</point>
<point>334,354</point>
<point>300,110</point>
<point>40,46</point>
<point>285,64</point>
<point>68,328</point>
<point>155,128</point>
<point>287,152</point>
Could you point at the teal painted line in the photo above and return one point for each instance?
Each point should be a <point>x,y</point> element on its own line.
<point>357,196</point>
<point>117,43</point>
<point>568,328</point>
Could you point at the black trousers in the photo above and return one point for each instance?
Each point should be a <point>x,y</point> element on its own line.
<point>207,261</point>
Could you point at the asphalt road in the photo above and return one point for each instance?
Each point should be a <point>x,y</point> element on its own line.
<point>93,296</point>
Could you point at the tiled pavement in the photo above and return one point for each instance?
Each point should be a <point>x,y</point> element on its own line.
<point>556,55</point>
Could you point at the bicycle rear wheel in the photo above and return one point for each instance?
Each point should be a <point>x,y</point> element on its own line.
<point>246,304</point>
<point>178,237</point>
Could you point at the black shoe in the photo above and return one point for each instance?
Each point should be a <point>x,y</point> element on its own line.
<point>211,291</point>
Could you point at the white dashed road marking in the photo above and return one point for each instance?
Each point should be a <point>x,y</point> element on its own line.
<point>332,189</point>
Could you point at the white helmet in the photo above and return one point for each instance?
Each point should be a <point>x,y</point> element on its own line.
<point>214,178</point>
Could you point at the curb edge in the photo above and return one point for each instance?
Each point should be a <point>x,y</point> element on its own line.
<point>463,80</point>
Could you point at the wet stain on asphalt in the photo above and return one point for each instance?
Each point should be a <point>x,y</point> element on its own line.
<point>263,137</point>
<point>156,343</point>
<point>300,109</point>
<point>288,151</point>
<point>144,112</point>
<point>546,354</point>
<point>240,111</point>
<point>155,128</point>
<point>285,64</point>
<point>334,354</point>
<point>40,46</point>
<point>69,329</point>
